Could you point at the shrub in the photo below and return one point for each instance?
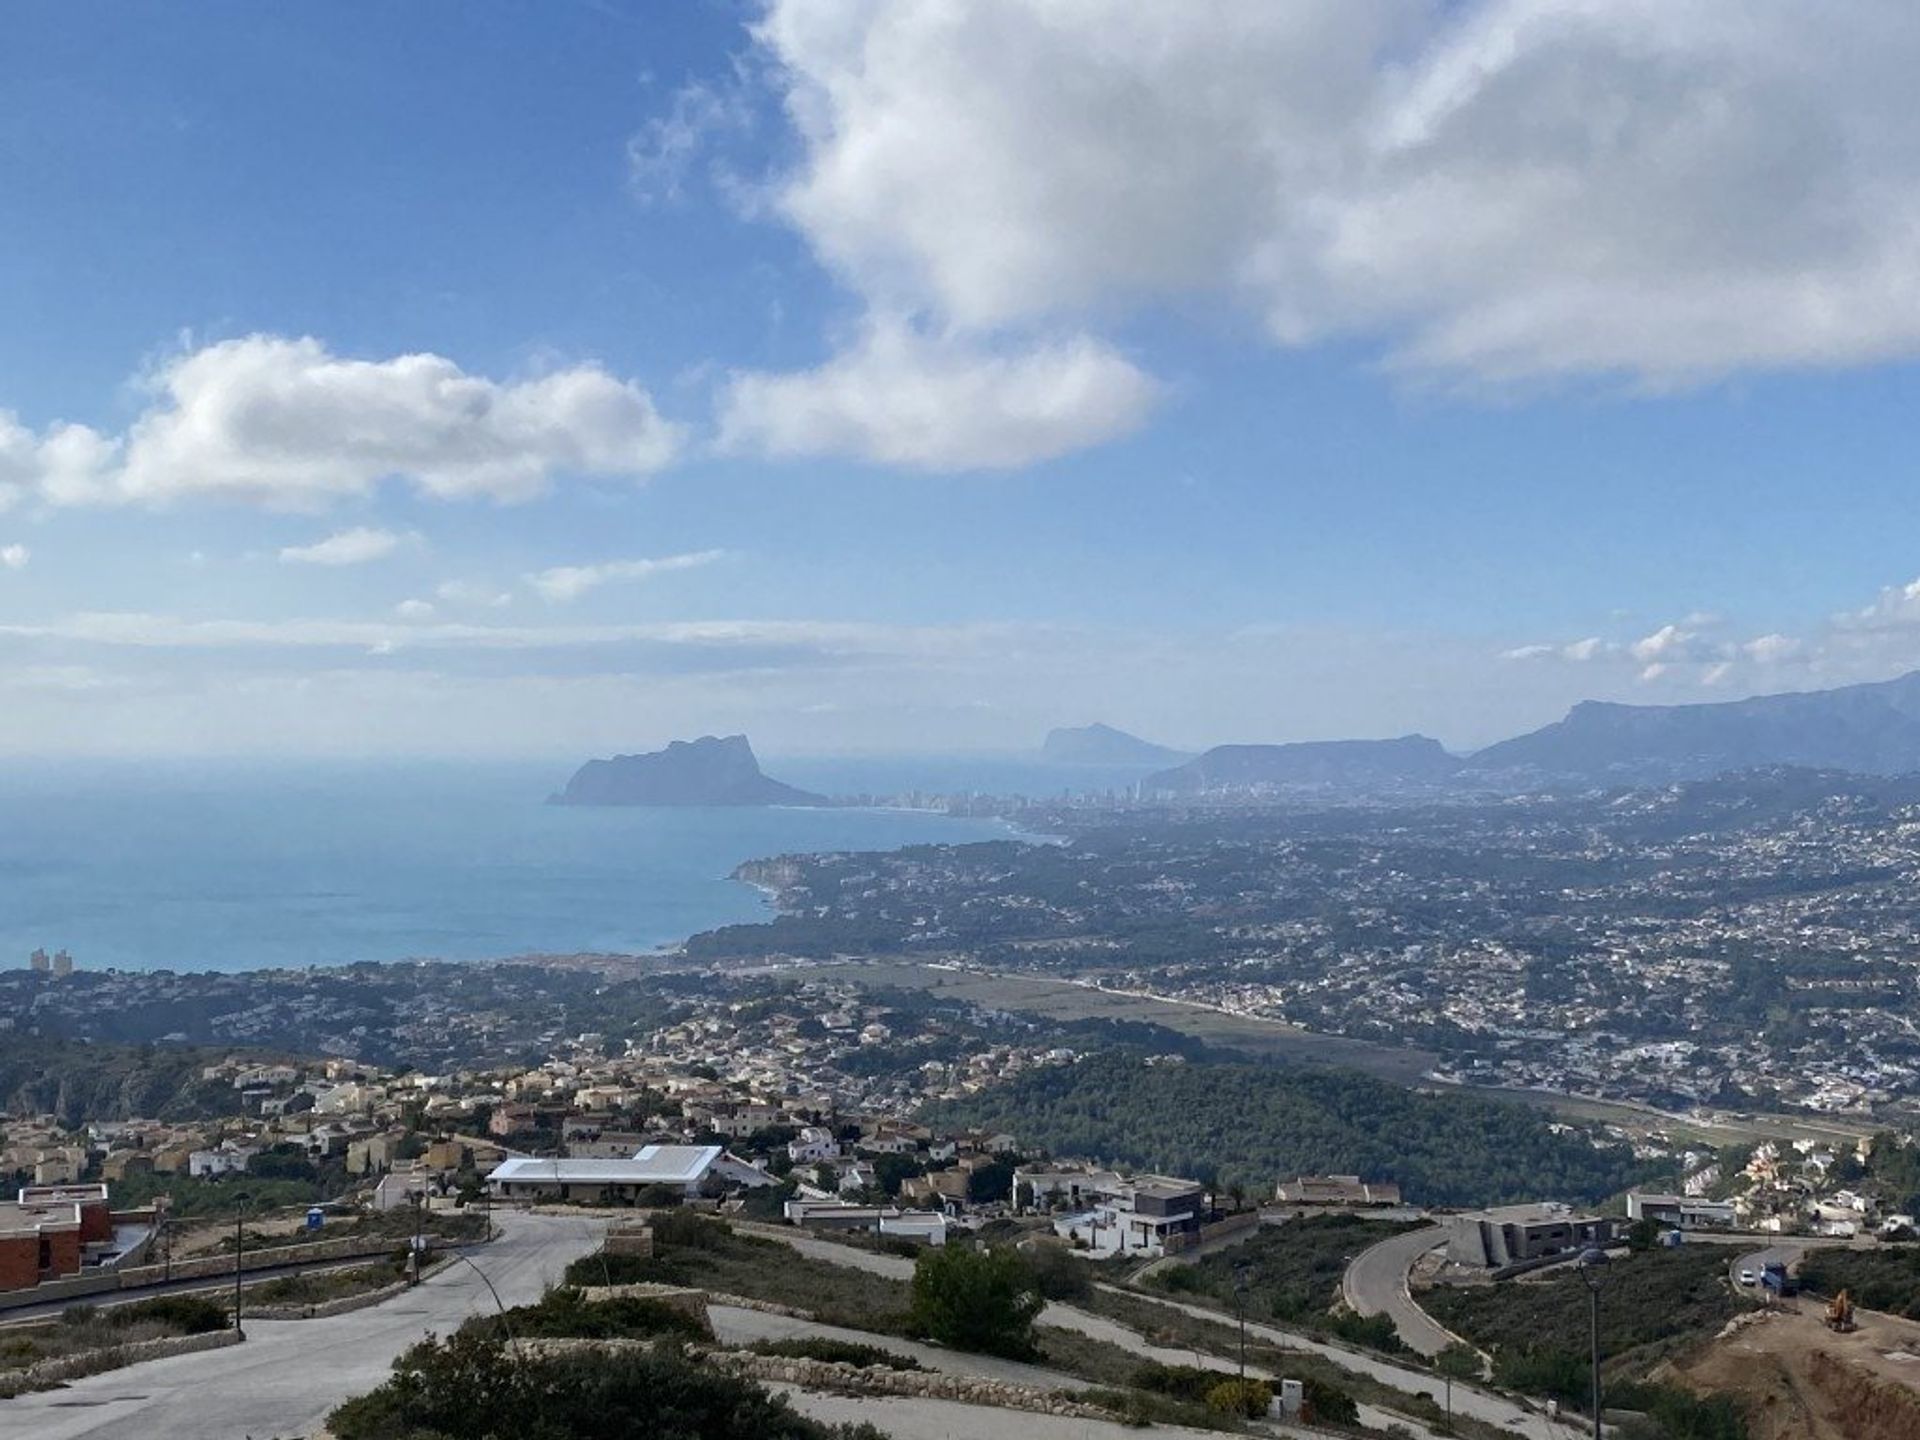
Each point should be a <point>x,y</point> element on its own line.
<point>836,1352</point>
<point>566,1313</point>
<point>464,1388</point>
<point>1182,1382</point>
<point>189,1314</point>
<point>980,1300</point>
<point>1250,1398</point>
<point>683,1229</point>
<point>78,1315</point>
<point>1328,1404</point>
<point>1058,1274</point>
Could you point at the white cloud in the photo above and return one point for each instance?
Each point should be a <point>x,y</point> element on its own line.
<point>14,557</point>
<point>902,398</point>
<point>570,582</point>
<point>1496,189</point>
<point>347,547</point>
<point>287,424</point>
<point>414,610</point>
<point>466,592</point>
<point>665,148</point>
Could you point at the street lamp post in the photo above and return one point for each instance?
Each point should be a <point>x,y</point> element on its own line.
<point>1242,1281</point>
<point>239,1244</point>
<point>413,1260</point>
<point>1593,1269</point>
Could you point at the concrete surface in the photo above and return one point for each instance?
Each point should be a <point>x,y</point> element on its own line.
<point>290,1373</point>
<point>1376,1284</point>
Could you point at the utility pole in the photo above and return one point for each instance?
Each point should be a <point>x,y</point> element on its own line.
<point>1242,1279</point>
<point>419,1210</point>
<point>1593,1269</point>
<point>239,1243</point>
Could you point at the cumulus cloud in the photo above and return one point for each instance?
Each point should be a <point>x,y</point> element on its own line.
<point>570,582</point>
<point>1495,190</point>
<point>346,547</point>
<point>285,423</point>
<point>467,592</point>
<point>14,557</point>
<point>901,397</point>
<point>415,609</point>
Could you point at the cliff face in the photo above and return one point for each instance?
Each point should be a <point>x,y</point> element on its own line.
<point>708,771</point>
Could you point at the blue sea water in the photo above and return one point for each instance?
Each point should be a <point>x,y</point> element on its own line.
<point>254,865</point>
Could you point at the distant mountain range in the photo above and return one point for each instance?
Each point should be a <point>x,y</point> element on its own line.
<point>1872,729</point>
<point>1099,744</point>
<point>709,771</point>
<point>1868,729</point>
<point>1341,764</point>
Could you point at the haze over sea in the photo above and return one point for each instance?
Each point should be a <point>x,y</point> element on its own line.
<point>251,865</point>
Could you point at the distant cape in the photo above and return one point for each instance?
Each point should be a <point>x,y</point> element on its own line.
<point>712,770</point>
<point>1099,744</point>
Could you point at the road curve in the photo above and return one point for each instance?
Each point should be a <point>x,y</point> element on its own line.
<point>290,1373</point>
<point>1376,1284</point>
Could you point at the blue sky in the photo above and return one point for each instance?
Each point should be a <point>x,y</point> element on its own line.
<point>914,376</point>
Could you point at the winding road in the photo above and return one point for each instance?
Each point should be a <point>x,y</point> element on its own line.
<point>290,1373</point>
<point>1376,1284</point>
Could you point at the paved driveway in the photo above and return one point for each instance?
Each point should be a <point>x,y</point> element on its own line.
<point>290,1373</point>
<point>1376,1284</point>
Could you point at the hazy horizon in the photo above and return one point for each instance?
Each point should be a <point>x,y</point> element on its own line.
<point>1324,370</point>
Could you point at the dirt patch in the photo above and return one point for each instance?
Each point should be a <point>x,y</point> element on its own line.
<point>1800,1381</point>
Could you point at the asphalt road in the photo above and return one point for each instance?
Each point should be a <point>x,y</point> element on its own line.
<point>1467,1399</point>
<point>290,1373</point>
<point>1376,1284</point>
<point>1787,1254</point>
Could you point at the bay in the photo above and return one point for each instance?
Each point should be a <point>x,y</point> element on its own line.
<point>227,867</point>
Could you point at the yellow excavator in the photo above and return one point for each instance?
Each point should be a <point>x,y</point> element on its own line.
<point>1840,1313</point>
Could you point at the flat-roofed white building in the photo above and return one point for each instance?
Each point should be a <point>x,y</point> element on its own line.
<point>686,1168</point>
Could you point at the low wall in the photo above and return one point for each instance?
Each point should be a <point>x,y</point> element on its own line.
<point>1245,1223</point>
<point>71,1367</point>
<point>79,1287</point>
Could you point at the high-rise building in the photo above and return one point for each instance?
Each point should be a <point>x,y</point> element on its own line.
<point>62,963</point>
<point>38,961</point>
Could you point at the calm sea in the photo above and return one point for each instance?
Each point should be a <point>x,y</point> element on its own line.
<point>247,866</point>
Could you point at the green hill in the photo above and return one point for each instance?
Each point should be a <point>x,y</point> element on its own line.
<point>1255,1124</point>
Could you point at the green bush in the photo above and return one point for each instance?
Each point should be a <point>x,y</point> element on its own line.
<point>980,1300</point>
<point>1249,1398</point>
<point>1182,1382</point>
<point>567,1314</point>
<point>189,1314</point>
<point>473,1387</point>
<point>836,1352</point>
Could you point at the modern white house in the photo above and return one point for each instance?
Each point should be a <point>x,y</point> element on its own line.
<point>1143,1216</point>
<point>813,1144</point>
<point>685,1168</point>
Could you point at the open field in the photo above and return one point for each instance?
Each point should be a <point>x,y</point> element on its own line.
<point>1065,1000</point>
<point>1272,1039</point>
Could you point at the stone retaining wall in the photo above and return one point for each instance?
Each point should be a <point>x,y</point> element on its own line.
<point>845,1379</point>
<point>71,1367</point>
<point>346,1304</point>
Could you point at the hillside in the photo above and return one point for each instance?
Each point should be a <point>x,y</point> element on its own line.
<point>1256,1124</point>
<point>1872,728</point>
<point>80,1082</point>
<point>1098,744</point>
<point>1361,764</point>
<point>708,771</point>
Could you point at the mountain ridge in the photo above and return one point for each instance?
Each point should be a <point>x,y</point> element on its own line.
<point>1102,744</point>
<point>712,770</point>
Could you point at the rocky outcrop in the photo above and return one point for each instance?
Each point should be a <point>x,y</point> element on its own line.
<point>712,770</point>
